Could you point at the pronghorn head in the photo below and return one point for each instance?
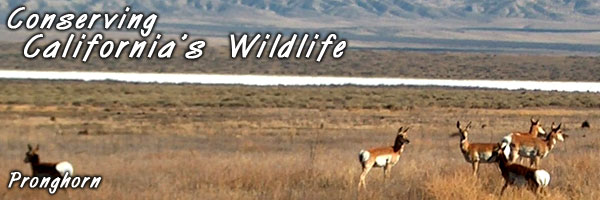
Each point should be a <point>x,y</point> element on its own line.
<point>536,125</point>
<point>502,152</point>
<point>401,137</point>
<point>464,132</point>
<point>31,156</point>
<point>557,132</point>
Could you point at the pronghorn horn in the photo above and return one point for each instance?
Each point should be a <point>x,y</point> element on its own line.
<point>559,125</point>
<point>400,130</point>
<point>468,125</point>
<point>406,129</point>
<point>29,146</point>
<point>458,124</point>
<point>37,147</point>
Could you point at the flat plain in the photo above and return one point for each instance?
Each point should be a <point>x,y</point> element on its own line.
<point>153,141</point>
<point>355,63</point>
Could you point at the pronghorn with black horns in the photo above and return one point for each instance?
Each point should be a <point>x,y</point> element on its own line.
<point>40,169</point>
<point>519,175</point>
<point>532,147</point>
<point>476,153</point>
<point>384,157</point>
<point>534,130</point>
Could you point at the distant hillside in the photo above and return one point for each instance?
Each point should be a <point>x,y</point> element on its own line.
<point>435,9</point>
<point>446,25</point>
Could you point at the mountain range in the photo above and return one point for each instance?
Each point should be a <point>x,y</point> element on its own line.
<point>372,23</point>
<point>411,9</point>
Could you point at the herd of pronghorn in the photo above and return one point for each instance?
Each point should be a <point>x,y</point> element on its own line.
<point>535,145</point>
<point>514,145</point>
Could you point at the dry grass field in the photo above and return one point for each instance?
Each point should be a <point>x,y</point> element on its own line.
<point>190,142</point>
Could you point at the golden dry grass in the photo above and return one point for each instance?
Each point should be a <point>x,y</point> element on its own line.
<point>195,152</point>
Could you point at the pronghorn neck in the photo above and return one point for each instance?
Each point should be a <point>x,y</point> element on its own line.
<point>549,136</point>
<point>502,162</point>
<point>551,140</point>
<point>34,160</point>
<point>533,130</point>
<point>34,167</point>
<point>399,143</point>
<point>398,147</point>
<point>464,143</point>
<point>551,143</point>
<point>35,163</point>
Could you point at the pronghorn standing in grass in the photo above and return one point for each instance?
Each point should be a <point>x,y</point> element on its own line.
<point>385,157</point>
<point>531,147</point>
<point>476,153</point>
<point>534,130</point>
<point>46,169</point>
<point>515,174</point>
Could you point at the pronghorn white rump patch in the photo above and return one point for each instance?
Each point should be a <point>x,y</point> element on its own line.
<point>53,183</point>
<point>363,156</point>
<point>542,177</point>
<point>64,167</point>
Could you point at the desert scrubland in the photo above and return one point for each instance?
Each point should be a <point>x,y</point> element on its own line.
<point>153,141</point>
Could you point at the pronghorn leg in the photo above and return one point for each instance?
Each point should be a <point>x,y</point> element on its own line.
<point>475,167</point>
<point>503,188</point>
<point>543,191</point>
<point>514,154</point>
<point>521,160</point>
<point>532,162</point>
<point>385,168</point>
<point>386,171</point>
<point>531,186</point>
<point>535,162</point>
<point>363,175</point>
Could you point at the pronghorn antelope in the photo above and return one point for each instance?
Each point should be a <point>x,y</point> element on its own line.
<point>385,157</point>
<point>531,147</point>
<point>476,153</point>
<point>534,129</point>
<point>515,174</point>
<point>46,169</point>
